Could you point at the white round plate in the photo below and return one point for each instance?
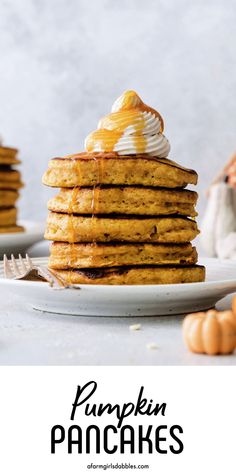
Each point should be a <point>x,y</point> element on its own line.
<point>129,300</point>
<point>19,242</point>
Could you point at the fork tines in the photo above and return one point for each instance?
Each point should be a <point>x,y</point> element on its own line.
<point>16,268</point>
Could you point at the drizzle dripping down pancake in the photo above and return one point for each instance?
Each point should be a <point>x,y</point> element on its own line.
<point>124,200</point>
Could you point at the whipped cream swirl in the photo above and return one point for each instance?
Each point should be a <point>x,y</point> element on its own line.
<point>131,128</point>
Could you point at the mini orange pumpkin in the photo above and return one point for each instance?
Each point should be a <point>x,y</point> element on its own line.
<point>211,332</point>
<point>234,307</point>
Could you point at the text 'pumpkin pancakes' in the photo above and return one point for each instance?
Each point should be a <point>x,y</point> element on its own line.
<point>123,215</point>
<point>10,182</point>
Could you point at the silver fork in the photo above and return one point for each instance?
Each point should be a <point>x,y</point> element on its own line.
<point>24,269</point>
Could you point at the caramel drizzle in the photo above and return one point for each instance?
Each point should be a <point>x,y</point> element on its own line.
<point>95,201</point>
<point>71,205</point>
<point>74,195</point>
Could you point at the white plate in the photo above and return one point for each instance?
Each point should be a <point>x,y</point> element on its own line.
<point>130,300</point>
<point>19,242</point>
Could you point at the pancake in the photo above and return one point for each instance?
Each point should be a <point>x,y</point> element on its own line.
<point>8,198</point>
<point>8,155</point>
<point>8,216</point>
<point>10,185</point>
<point>11,229</point>
<point>87,170</point>
<point>134,275</point>
<point>73,228</point>
<point>9,178</point>
<point>125,200</point>
<point>64,255</point>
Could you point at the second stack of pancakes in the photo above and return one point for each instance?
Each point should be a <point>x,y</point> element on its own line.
<point>123,215</point>
<point>10,183</point>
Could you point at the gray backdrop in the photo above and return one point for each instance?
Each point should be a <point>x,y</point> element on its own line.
<point>63,62</point>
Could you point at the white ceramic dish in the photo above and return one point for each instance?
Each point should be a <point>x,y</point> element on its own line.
<point>132,300</point>
<point>19,242</point>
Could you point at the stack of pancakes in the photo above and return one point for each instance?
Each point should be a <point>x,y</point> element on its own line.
<point>123,215</point>
<point>10,183</point>
<point>122,220</point>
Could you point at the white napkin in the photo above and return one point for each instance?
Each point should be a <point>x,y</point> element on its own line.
<point>218,231</point>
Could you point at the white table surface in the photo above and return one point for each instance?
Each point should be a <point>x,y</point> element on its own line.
<point>29,337</point>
